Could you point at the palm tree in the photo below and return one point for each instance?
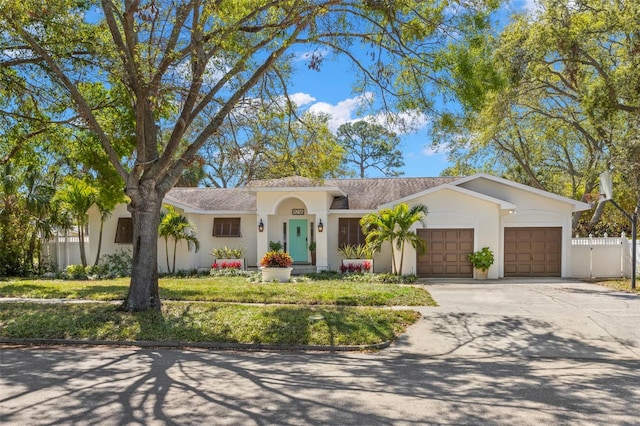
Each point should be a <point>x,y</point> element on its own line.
<point>177,227</point>
<point>106,202</point>
<point>405,218</point>
<point>394,225</point>
<point>77,196</point>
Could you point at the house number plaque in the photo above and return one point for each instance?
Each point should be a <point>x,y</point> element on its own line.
<point>297,212</point>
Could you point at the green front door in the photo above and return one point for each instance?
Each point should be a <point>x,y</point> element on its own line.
<point>298,240</point>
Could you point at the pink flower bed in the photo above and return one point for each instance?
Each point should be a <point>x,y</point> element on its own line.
<point>354,268</point>
<point>231,264</point>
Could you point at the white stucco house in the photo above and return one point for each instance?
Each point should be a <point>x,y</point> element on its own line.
<point>529,230</point>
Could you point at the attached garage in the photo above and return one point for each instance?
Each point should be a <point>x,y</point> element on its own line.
<point>447,251</point>
<point>533,252</point>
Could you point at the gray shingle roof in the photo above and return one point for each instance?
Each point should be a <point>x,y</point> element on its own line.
<point>214,199</point>
<point>368,194</point>
<point>362,194</point>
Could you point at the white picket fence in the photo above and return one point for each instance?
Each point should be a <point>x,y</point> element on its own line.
<point>602,257</point>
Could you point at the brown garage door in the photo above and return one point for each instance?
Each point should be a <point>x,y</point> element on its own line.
<point>532,252</point>
<point>447,251</point>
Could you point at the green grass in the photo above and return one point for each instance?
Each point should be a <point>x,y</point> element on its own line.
<point>206,322</point>
<point>230,289</point>
<point>621,285</point>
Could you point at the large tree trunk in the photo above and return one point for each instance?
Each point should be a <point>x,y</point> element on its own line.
<point>145,213</point>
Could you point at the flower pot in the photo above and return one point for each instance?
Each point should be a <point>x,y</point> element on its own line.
<point>223,262</point>
<point>479,274</point>
<point>276,274</point>
<point>361,264</point>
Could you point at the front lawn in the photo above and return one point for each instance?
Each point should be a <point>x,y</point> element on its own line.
<point>206,322</point>
<point>196,310</point>
<point>229,289</point>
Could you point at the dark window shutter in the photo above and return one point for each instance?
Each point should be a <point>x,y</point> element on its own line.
<point>226,227</point>
<point>124,231</point>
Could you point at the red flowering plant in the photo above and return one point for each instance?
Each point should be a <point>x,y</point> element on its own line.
<point>276,259</point>
<point>227,265</point>
<point>356,268</point>
<point>226,268</point>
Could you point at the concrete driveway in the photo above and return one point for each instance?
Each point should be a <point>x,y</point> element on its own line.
<point>492,353</point>
<point>527,318</point>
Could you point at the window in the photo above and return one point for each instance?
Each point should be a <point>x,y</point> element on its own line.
<point>350,232</point>
<point>124,231</point>
<point>226,227</point>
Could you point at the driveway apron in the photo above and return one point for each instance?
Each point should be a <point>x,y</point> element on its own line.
<point>525,318</point>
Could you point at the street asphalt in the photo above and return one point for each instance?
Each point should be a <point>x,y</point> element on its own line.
<point>504,352</point>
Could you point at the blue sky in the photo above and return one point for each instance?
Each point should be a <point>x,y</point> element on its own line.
<point>329,91</point>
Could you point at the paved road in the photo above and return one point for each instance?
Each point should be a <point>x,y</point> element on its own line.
<point>555,353</point>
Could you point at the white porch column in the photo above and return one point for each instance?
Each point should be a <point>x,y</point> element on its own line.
<point>322,244</point>
<point>262,239</point>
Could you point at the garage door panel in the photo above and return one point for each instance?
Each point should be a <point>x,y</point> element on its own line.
<point>436,246</point>
<point>451,246</point>
<point>538,257</point>
<point>451,258</point>
<point>532,251</point>
<point>447,253</point>
<point>466,246</point>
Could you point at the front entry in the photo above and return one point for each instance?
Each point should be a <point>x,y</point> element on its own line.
<point>298,240</point>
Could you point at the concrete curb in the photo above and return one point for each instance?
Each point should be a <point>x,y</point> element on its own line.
<point>254,347</point>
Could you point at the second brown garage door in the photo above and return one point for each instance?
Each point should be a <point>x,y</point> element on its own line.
<point>532,252</point>
<point>447,251</point>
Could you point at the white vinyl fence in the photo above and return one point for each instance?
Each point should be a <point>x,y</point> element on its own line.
<point>65,250</point>
<point>602,257</point>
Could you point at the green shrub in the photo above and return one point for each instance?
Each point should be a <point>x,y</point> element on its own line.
<point>119,264</point>
<point>75,272</point>
<point>275,246</point>
<point>228,253</point>
<point>96,272</point>
<point>360,251</point>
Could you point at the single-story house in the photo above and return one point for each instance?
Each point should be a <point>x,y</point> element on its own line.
<point>529,230</point>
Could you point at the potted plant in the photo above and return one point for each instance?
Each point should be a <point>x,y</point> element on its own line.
<point>312,250</point>
<point>481,261</point>
<point>225,253</point>
<point>356,256</point>
<point>276,266</point>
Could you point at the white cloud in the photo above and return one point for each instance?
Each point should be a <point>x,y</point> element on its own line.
<point>401,123</point>
<point>301,99</point>
<point>341,112</point>
<point>346,110</point>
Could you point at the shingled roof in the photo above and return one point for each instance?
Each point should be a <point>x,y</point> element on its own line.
<point>362,194</point>
<point>214,199</point>
<point>369,194</point>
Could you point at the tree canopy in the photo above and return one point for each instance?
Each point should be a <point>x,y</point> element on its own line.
<point>138,74</point>
<point>554,99</point>
<point>370,146</point>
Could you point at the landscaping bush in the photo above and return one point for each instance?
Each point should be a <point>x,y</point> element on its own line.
<point>227,268</point>
<point>75,272</point>
<point>116,265</point>
<point>119,264</point>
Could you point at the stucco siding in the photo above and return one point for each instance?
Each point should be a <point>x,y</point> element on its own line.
<point>450,209</point>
